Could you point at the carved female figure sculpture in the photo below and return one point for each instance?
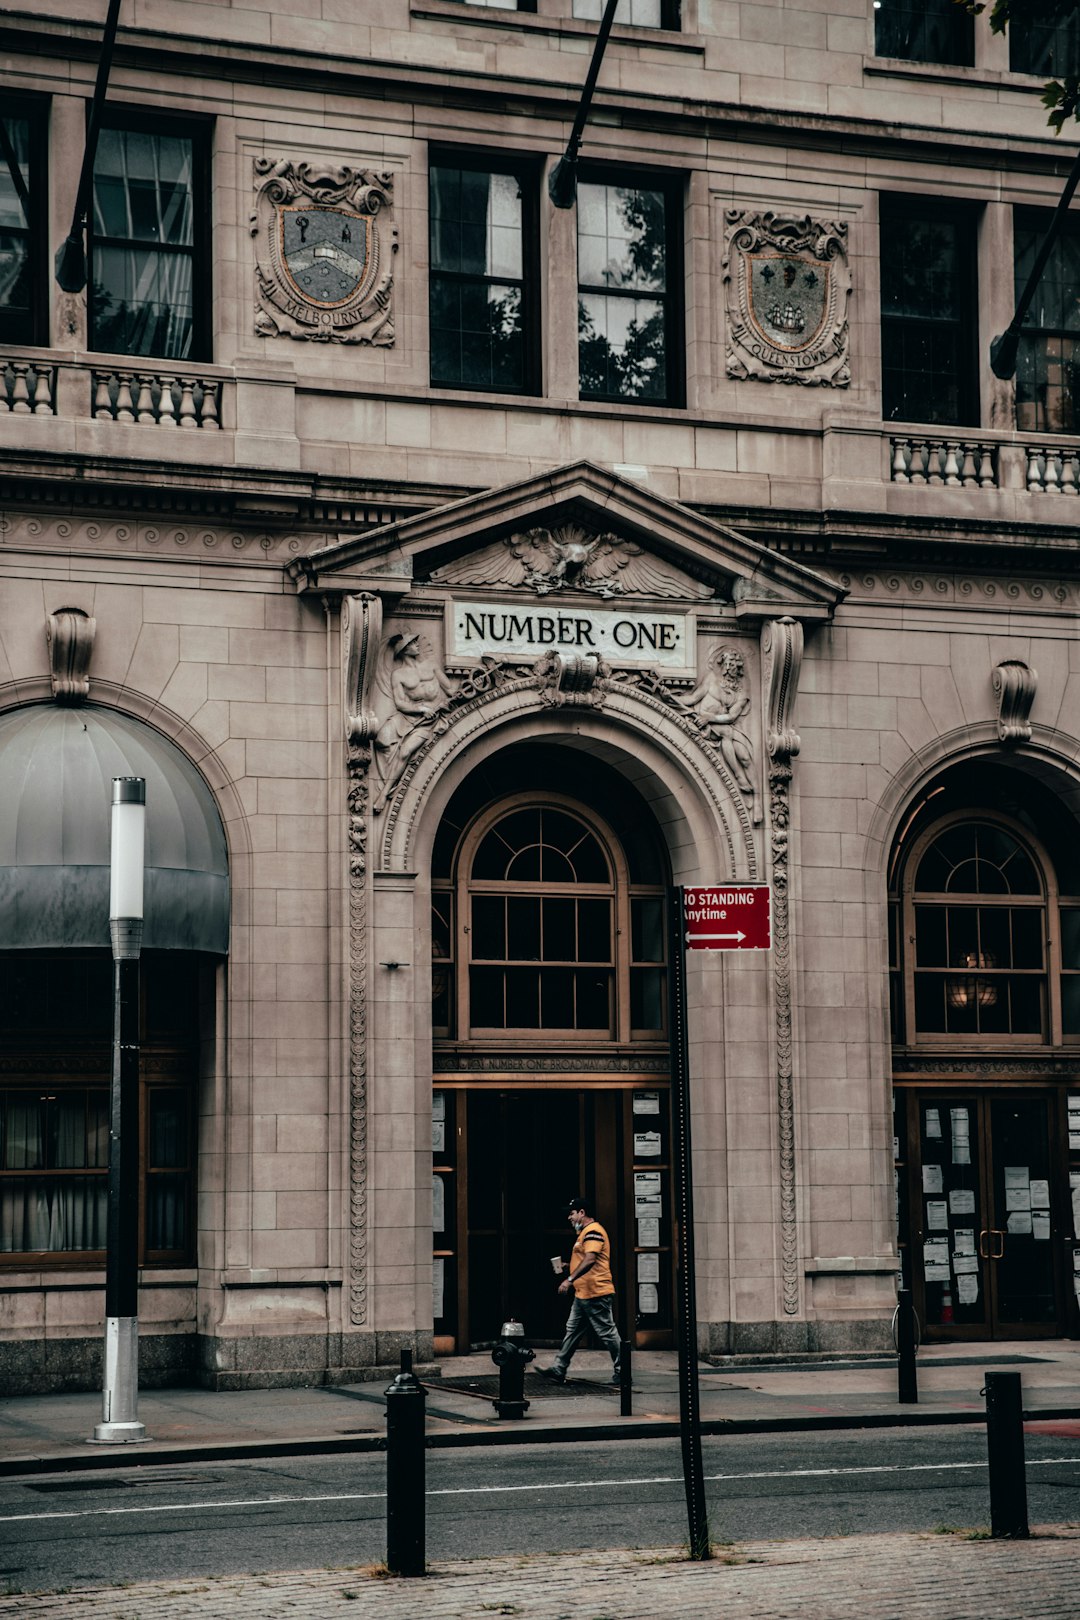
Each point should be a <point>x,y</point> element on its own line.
<point>418,691</point>
<point>718,703</point>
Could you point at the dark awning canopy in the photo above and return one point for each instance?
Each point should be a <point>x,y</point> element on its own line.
<point>56,769</point>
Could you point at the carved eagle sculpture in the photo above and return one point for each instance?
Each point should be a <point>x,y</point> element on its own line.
<point>569,559</point>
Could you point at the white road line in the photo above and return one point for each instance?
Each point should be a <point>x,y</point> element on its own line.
<point>507,1490</point>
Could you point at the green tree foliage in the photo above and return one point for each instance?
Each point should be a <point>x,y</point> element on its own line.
<point>1062,94</point>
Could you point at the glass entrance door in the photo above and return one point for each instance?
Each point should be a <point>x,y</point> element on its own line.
<point>978,1231</point>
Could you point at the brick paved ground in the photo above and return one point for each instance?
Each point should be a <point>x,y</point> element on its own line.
<point>898,1577</point>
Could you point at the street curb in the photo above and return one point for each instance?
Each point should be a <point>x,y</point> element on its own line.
<point>142,1456</point>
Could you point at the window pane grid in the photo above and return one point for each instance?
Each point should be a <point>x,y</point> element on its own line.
<point>924,31</point>
<point>1048,363</point>
<point>927,314</point>
<point>624,308</point>
<point>477,291</point>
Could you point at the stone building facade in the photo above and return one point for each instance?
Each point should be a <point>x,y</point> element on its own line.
<point>462,573</point>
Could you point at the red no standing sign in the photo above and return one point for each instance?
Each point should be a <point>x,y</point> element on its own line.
<point>736,917</point>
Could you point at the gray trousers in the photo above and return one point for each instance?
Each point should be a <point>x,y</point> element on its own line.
<point>586,1314</point>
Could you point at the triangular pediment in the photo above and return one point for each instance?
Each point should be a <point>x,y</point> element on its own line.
<point>580,531</point>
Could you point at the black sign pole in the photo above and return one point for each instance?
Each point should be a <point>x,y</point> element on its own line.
<point>685,1291</point>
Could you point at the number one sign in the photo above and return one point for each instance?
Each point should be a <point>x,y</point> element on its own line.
<point>736,917</point>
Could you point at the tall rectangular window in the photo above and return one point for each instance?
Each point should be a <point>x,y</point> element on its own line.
<point>482,281</point>
<point>1048,363</point>
<point>924,31</point>
<point>633,13</point>
<point>149,264</point>
<point>629,308</point>
<point>22,278</point>
<point>928,314</point>
<point>1046,49</point>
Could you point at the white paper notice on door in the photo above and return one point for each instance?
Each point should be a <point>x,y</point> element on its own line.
<point>933,1122</point>
<point>967,1290</point>
<point>959,1122</point>
<point>438,1105</point>
<point>1018,1198</point>
<point>648,1299</point>
<point>648,1232</point>
<point>936,1259</point>
<point>438,1283</point>
<point>646,1193</point>
<point>1017,1175</point>
<point>438,1136</point>
<point>937,1215</point>
<point>1040,1225</point>
<point>1074,1188</point>
<point>963,1240</point>
<point>438,1204</point>
<point>1019,1222</point>
<point>646,1102</point>
<point>964,1264</point>
<point>648,1268</point>
<point>962,1201</point>
<point>1040,1195</point>
<point>932,1181</point>
<point>646,1144</point>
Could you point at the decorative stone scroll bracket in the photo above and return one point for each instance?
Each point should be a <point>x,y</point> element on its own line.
<point>361,633</point>
<point>1014,687</point>
<point>70,635</point>
<point>782,650</point>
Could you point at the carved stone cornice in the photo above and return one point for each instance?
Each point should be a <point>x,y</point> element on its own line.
<point>70,635</point>
<point>782,650</point>
<point>1014,685</point>
<point>779,822</point>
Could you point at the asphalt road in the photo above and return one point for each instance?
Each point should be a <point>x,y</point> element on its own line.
<point>310,1513</point>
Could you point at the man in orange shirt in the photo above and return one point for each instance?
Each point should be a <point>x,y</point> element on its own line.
<point>594,1294</point>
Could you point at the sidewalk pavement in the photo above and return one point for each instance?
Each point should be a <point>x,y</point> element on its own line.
<point>41,1433</point>
<point>880,1577</point>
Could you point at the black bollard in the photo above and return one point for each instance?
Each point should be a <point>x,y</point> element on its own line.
<point>907,1378</point>
<point>405,1502</point>
<point>1005,1449</point>
<point>626,1391</point>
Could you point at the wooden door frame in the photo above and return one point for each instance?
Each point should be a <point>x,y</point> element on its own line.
<point>979,1093</point>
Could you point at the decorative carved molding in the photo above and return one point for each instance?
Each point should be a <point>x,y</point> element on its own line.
<point>550,1063</point>
<point>70,636</point>
<point>782,650</point>
<point>325,242</point>
<point>640,697</point>
<point>1014,687</point>
<point>1008,1068</point>
<point>358,761</point>
<point>1045,594</point>
<point>361,628</point>
<point>787,290</point>
<point>571,558</point>
<point>780,819</point>
<point>92,535</point>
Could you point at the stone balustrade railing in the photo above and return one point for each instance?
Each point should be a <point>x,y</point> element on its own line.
<point>1052,469</point>
<point>960,463</point>
<point>27,388</point>
<point>156,399</point>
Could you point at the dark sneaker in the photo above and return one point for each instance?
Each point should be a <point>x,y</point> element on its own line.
<point>552,1374</point>
<point>616,1378</point>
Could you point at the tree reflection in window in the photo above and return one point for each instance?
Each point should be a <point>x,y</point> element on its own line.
<point>624,306</point>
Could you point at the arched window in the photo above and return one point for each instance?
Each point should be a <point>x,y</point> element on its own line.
<point>542,929</point>
<point>983,950</point>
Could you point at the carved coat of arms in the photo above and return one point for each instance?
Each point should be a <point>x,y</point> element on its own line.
<point>324,246</point>
<point>788,287</point>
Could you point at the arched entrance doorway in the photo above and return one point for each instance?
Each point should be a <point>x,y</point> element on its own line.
<point>550,1046</point>
<point>985,969</point>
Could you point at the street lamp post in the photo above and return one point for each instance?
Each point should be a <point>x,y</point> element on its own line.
<point>120,1387</point>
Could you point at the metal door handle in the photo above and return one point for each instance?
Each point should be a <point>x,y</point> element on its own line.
<point>1000,1252</point>
<point>983,1251</point>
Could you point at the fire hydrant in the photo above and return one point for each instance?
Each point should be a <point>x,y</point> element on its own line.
<point>511,1358</point>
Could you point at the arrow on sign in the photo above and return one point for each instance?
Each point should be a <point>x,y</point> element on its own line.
<point>739,936</point>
